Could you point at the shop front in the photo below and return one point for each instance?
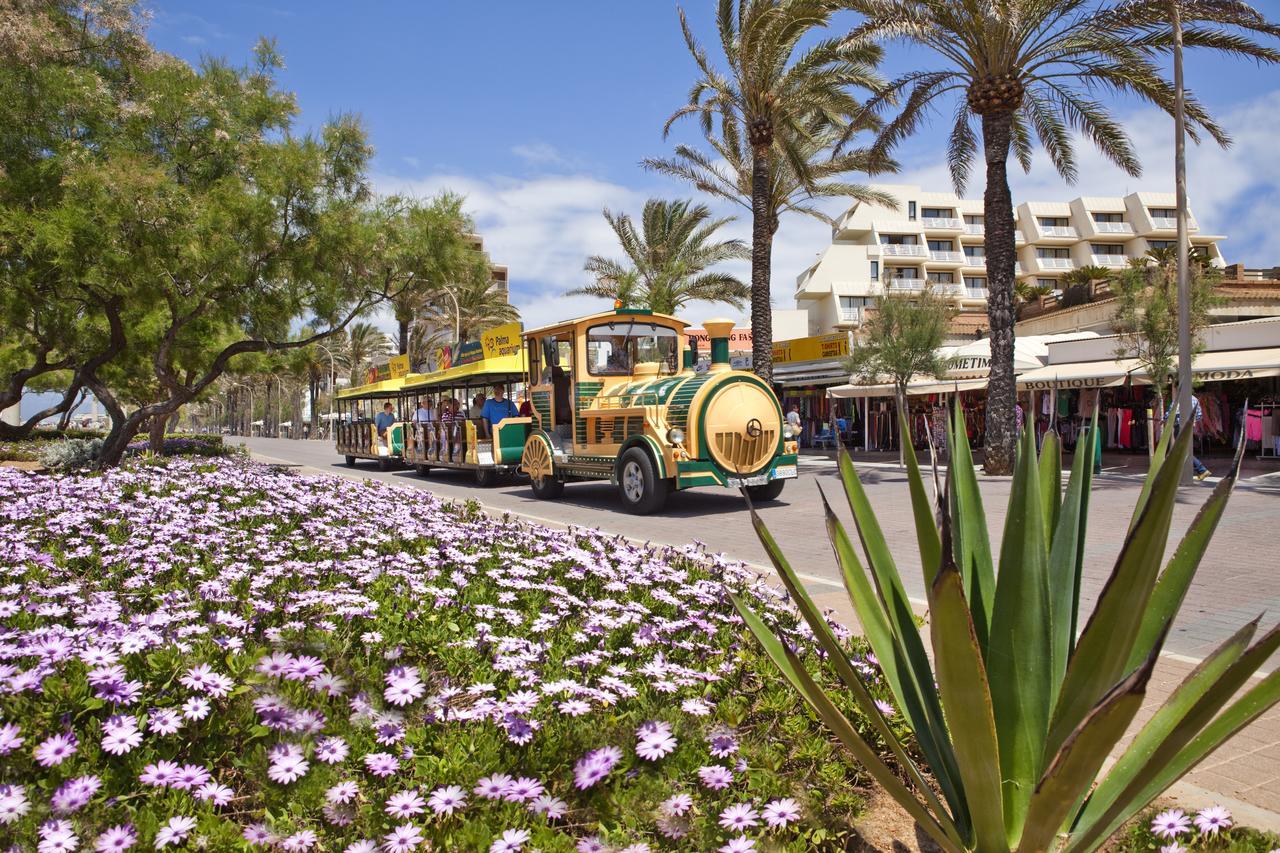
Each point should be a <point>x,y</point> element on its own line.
<point>804,370</point>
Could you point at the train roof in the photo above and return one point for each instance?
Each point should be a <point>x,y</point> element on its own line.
<point>384,388</point>
<point>502,367</point>
<point>630,313</point>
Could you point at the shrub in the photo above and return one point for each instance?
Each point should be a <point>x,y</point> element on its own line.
<point>71,454</point>
<point>211,650</point>
<point>1022,710</point>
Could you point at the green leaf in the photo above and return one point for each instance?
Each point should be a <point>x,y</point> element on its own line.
<point>921,507</point>
<point>793,670</point>
<point>1018,650</point>
<point>1154,467</point>
<point>844,667</point>
<point>962,679</point>
<point>1103,648</point>
<point>898,666</point>
<point>1066,563</point>
<point>1135,779</point>
<point>1050,484</point>
<point>969,530</point>
<point>1171,588</point>
<point>1072,771</point>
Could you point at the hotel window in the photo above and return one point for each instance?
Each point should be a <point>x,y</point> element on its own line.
<point>875,270</point>
<point>911,211</point>
<point>975,251</point>
<point>1053,221</point>
<point>855,301</point>
<point>942,277</point>
<point>904,272</point>
<point>1163,212</point>
<point>1042,252</point>
<point>973,219</point>
<point>897,240</point>
<point>1047,282</point>
<point>1108,217</point>
<point>941,246</point>
<point>1163,244</point>
<point>974,281</point>
<point>937,213</point>
<point>1106,248</point>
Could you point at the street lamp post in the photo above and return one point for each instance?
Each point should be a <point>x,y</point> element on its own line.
<point>1184,248</point>
<point>333,384</point>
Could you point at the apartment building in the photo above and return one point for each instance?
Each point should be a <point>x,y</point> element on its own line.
<point>935,240</point>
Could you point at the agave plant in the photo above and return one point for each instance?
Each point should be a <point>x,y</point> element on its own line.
<point>1017,711</point>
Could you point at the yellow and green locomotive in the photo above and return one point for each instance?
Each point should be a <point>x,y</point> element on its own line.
<point>615,396</point>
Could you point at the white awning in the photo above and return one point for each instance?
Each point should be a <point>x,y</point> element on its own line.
<point>810,373</point>
<point>1219,366</point>
<point>1082,374</point>
<point>917,386</point>
<point>1230,365</point>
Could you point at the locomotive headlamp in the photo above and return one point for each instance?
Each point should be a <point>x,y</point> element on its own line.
<point>675,435</point>
<point>788,431</point>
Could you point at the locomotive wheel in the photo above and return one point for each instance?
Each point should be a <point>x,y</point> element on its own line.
<point>486,477</point>
<point>351,462</point>
<point>768,492</point>
<point>642,490</point>
<point>536,462</point>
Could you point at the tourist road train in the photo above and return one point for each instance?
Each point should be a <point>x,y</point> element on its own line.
<point>613,396</point>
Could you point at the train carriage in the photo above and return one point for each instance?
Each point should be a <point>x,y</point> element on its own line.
<point>616,397</point>
<point>458,441</point>
<point>356,432</point>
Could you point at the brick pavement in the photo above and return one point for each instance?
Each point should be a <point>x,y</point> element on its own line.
<point>1238,579</point>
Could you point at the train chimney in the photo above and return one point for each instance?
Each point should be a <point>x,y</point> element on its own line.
<point>718,332</point>
<point>689,358</point>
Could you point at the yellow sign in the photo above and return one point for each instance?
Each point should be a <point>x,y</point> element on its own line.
<point>501,341</point>
<point>810,349</point>
<point>399,366</point>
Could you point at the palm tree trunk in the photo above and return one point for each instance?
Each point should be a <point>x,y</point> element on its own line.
<point>761,267</point>
<point>1001,248</point>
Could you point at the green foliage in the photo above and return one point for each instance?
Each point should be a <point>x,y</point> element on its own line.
<point>901,339</point>
<point>71,454</point>
<point>668,259</point>
<point>1146,317</point>
<point>1017,711</point>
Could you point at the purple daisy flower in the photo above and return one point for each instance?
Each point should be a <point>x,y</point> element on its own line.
<point>405,805</point>
<point>447,800</point>
<point>715,777</point>
<point>55,750</point>
<point>511,841</point>
<point>739,817</point>
<point>781,812</point>
<point>1170,824</point>
<point>115,839</point>
<point>1209,821</point>
<point>402,839</point>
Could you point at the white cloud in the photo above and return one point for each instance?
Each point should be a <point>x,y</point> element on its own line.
<point>538,153</point>
<point>414,162</point>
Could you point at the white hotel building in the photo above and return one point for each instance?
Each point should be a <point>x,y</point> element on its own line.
<point>936,239</point>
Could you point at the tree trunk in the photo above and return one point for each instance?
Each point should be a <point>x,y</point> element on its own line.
<point>156,433</point>
<point>904,436</point>
<point>761,267</point>
<point>1001,249</point>
<point>404,336</point>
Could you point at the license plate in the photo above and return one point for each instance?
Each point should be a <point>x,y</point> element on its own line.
<point>784,472</point>
<point>739,482</point>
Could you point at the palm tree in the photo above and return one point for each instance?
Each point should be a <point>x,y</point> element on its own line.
<point>365,345</point>
<point>669,257</point>
<point>1027,70</point>
<point>471,304</point>
<point>777,101</point>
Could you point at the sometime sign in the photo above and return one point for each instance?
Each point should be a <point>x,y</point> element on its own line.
<point>811,349</point>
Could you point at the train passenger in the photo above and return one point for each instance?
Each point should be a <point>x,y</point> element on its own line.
<point>477,407</point>
<point>385,419</point>
<point>496,409</point>
<point>423,412</point>
<point>526,408</point>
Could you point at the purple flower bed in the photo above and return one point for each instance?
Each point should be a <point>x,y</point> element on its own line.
<point>213,654</point>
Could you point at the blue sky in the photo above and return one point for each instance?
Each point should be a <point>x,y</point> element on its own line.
<point>540,112</point>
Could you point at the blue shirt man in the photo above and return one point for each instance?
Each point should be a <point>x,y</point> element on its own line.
<point>498,407</point>
<point>384,419</point>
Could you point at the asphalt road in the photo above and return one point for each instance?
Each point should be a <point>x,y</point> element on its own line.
<point>1238,579</point>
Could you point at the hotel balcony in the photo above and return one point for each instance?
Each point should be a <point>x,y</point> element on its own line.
<point>900,250</point>
<point>974,294</point>
<point>943,223</point>
<point>1109,261</point>
<point>974,229</point>
<point>948,259</point>
<point>1055,233</point>
<point>906,285</point>
<point>852,316</point>
<point>1039,265</point>
<point>1113,227</point>
<point>1169,224</point>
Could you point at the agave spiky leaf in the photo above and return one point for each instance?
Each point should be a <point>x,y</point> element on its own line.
<point>1023,715</point>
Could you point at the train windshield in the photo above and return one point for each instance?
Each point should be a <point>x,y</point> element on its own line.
<point>614,349</point>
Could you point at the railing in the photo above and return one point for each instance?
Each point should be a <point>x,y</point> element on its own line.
<point>1170,223</point>
<point>975,293</point>
<point>1058,231</point>
<point>975,228</point>
<point>906,285</point>
<point>1110,260</point>
<point>946,256</point>
<point>1056,263</point>
<point>903,250</point>
<point>851,315</point>
<point>975,260</point>
<point>948,223</point>
<point>1113,227</point>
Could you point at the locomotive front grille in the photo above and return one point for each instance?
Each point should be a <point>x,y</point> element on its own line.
<point>743,453</point>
